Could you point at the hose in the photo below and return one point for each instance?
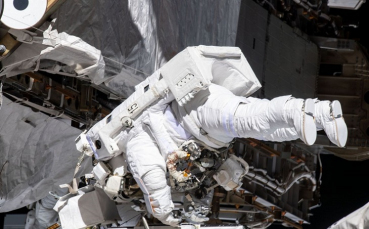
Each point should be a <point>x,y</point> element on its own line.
<point>243,163</point>
<point>276,188</point>
<point>301,176</point>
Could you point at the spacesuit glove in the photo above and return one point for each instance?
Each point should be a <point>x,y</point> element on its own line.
<point>170,220</point>
<point>162,206</point>
<point>196,218</point>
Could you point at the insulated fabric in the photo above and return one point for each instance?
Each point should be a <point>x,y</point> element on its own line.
<point>56,53</point>
<point>1,94</point>
<point>145,34</point>
<point>40,152</point>
<point>356,220</point>
<point>42,216</point>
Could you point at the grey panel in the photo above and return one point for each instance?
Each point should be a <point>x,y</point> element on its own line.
<point>284,60</point>
<point>251,34</point>
<point>291,62</point>
<point>15,221</point>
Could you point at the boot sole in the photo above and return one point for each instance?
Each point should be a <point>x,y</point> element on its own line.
<point>339,123</point>
<point>308,126</point>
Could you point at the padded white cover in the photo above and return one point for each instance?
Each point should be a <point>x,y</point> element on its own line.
<point>356,220</point>
<point>88,209</point>
<point>56,53</point>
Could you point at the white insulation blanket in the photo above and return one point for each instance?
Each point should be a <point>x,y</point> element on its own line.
<point>356,220</point>
<point>145,34</point>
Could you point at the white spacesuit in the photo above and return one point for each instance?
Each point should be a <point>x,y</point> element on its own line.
<point>214,116</point>
<point>223,119</point>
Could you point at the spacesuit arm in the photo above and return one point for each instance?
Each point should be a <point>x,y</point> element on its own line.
<point>149,169</point>
<point>160,197</point>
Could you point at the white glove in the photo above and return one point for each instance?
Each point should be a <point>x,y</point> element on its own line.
<point>160,197</point>
<point>196,218</point>
<point>170,220</point>
<point>162,206</point>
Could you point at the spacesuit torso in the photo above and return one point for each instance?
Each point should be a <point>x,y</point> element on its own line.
<point>171,124</point>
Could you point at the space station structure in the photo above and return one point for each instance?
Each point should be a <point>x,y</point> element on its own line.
<point>246,184</point>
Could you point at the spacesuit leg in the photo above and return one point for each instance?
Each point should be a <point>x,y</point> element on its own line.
<point>281,119</point>
<point>328,116</point>
<point>146,162</point>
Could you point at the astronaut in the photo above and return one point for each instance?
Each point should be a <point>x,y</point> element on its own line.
<point>215,115</point>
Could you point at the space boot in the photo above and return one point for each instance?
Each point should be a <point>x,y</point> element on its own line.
<point>328,116</point>
<point>301,113</point>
